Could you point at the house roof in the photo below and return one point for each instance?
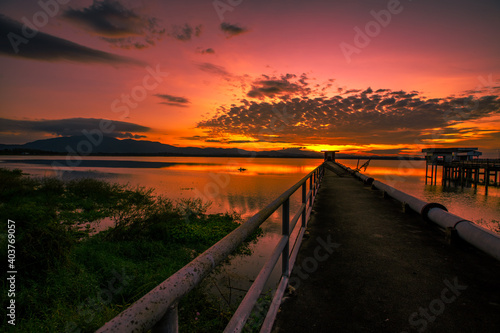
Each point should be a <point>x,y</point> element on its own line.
<point>448,150</point>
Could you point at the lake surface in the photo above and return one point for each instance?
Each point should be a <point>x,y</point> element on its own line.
<point>220,181</point>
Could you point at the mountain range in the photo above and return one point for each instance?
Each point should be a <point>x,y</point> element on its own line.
<point>83,145</point>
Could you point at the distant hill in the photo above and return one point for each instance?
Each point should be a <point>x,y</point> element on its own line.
<point>112,146</point>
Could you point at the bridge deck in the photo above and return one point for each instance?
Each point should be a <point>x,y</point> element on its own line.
<point>388,271</point>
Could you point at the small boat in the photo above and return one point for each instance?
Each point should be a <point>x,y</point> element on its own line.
<point>242,169</point>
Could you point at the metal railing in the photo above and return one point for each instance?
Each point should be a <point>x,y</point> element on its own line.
<point>157,310</point>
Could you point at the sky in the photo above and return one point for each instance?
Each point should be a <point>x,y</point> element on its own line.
<point>359,76</point>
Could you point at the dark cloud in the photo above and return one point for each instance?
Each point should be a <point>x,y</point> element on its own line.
<point>489,88</point>
<point>205,51</point>
<point>384,151</point>
<point>192,138</point>
<point>174,100</point>
<point>50,48</point>
<point>225,141</point>
<point>231,30</point>
<point>117,24</point>
<point>206,138</point>
<point>237,82</point>
<point>215,69</point>
<point>185,32</point>
<point>350,91</point>
<point>362,117</point>
<point>71,126</point>
<point>283,87</point>
<point>239,141</point>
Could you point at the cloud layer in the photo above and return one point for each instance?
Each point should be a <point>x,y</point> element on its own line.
<point>215,70</point>
<point>70,127</point>
<point>42,46</point>
<point>354,117</point>
<point>174,100</point>
<point>284,87</point>
<point>231,30</point>
<point>185,32</point>
<point>117,24</point>
<point>205,51</point>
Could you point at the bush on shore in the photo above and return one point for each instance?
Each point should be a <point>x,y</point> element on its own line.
<point>73,278</point>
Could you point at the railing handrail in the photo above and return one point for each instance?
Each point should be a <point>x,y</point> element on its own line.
<point>155,308</point>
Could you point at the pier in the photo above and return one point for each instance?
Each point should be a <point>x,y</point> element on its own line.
<point>367,258</point>
<point>471,173</point>
<point>391,271</point>
<point>461,167</point>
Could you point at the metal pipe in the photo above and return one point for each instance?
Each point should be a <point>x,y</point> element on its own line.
<point>472,233</point>
<point>482,238</point>
<point>443,218</point>
<point>416,204</point>
<point>367,180</point>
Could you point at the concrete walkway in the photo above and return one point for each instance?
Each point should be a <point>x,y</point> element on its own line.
<point>369,267</point>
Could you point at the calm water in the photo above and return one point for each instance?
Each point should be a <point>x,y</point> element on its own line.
<point>218,180</point>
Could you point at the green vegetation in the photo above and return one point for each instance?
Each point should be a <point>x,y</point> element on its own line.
<point>72,278</point>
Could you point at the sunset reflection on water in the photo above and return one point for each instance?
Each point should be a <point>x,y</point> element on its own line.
<point>246,192</point>
<point>247,169</point>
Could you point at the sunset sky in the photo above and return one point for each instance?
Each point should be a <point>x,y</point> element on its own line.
<point>380,77</point>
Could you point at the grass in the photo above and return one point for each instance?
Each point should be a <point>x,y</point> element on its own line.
<point>72,279</point>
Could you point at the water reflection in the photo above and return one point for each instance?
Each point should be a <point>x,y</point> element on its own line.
<point>243,169</point>
<point>213,179</point>
<point>219,180</point>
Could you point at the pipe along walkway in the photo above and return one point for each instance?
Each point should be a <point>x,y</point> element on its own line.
<point>369,267</point>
